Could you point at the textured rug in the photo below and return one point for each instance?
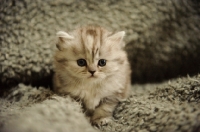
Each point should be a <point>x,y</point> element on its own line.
<point>162,36</point>
<point>166,107</point>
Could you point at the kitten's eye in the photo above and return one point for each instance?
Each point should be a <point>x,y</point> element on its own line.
<point>81,62</point>
<point>102,62</point>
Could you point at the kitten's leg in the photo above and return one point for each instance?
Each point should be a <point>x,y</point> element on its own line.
<point>102,114</point>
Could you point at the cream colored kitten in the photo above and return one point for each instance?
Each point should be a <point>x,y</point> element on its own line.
<point>91,66</point>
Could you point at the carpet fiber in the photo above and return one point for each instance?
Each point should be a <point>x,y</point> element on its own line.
<point>170,106</point>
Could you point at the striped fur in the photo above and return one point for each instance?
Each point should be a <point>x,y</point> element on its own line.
<point>109,84</point>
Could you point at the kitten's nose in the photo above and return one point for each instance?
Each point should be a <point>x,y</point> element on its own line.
<point>92,72</point>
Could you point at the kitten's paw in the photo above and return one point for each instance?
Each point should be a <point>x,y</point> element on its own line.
<point>101,122</point>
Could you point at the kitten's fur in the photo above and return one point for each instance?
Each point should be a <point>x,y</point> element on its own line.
<point>110,84</point>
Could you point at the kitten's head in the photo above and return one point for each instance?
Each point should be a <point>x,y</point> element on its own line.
<point>91,53</point>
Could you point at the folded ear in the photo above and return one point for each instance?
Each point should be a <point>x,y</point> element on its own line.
<point>118,37</point>
<point>63,37</point>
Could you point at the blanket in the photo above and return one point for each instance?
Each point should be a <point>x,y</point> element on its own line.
<point>169,106</point>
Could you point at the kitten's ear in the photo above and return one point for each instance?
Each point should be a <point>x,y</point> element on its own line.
<point>118,37</point>
<point>63,37</point>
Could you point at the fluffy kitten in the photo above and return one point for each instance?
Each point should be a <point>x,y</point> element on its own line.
<point>91,66</point>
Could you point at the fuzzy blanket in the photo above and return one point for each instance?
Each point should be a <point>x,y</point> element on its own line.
<point>168,107</point>
<point>163,44</point>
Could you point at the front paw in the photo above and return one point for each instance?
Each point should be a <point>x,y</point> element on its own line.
<point>101,121</point>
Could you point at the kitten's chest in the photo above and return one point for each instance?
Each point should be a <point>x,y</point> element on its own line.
<point>92,101</point>
<point>91,95</point>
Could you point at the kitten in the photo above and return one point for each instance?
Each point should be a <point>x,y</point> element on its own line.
<point>91,66</point>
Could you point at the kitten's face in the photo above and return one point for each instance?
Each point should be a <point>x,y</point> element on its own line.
<point>90,53</point>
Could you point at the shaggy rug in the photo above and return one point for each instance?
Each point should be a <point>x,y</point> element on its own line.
<point>166,107</point>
